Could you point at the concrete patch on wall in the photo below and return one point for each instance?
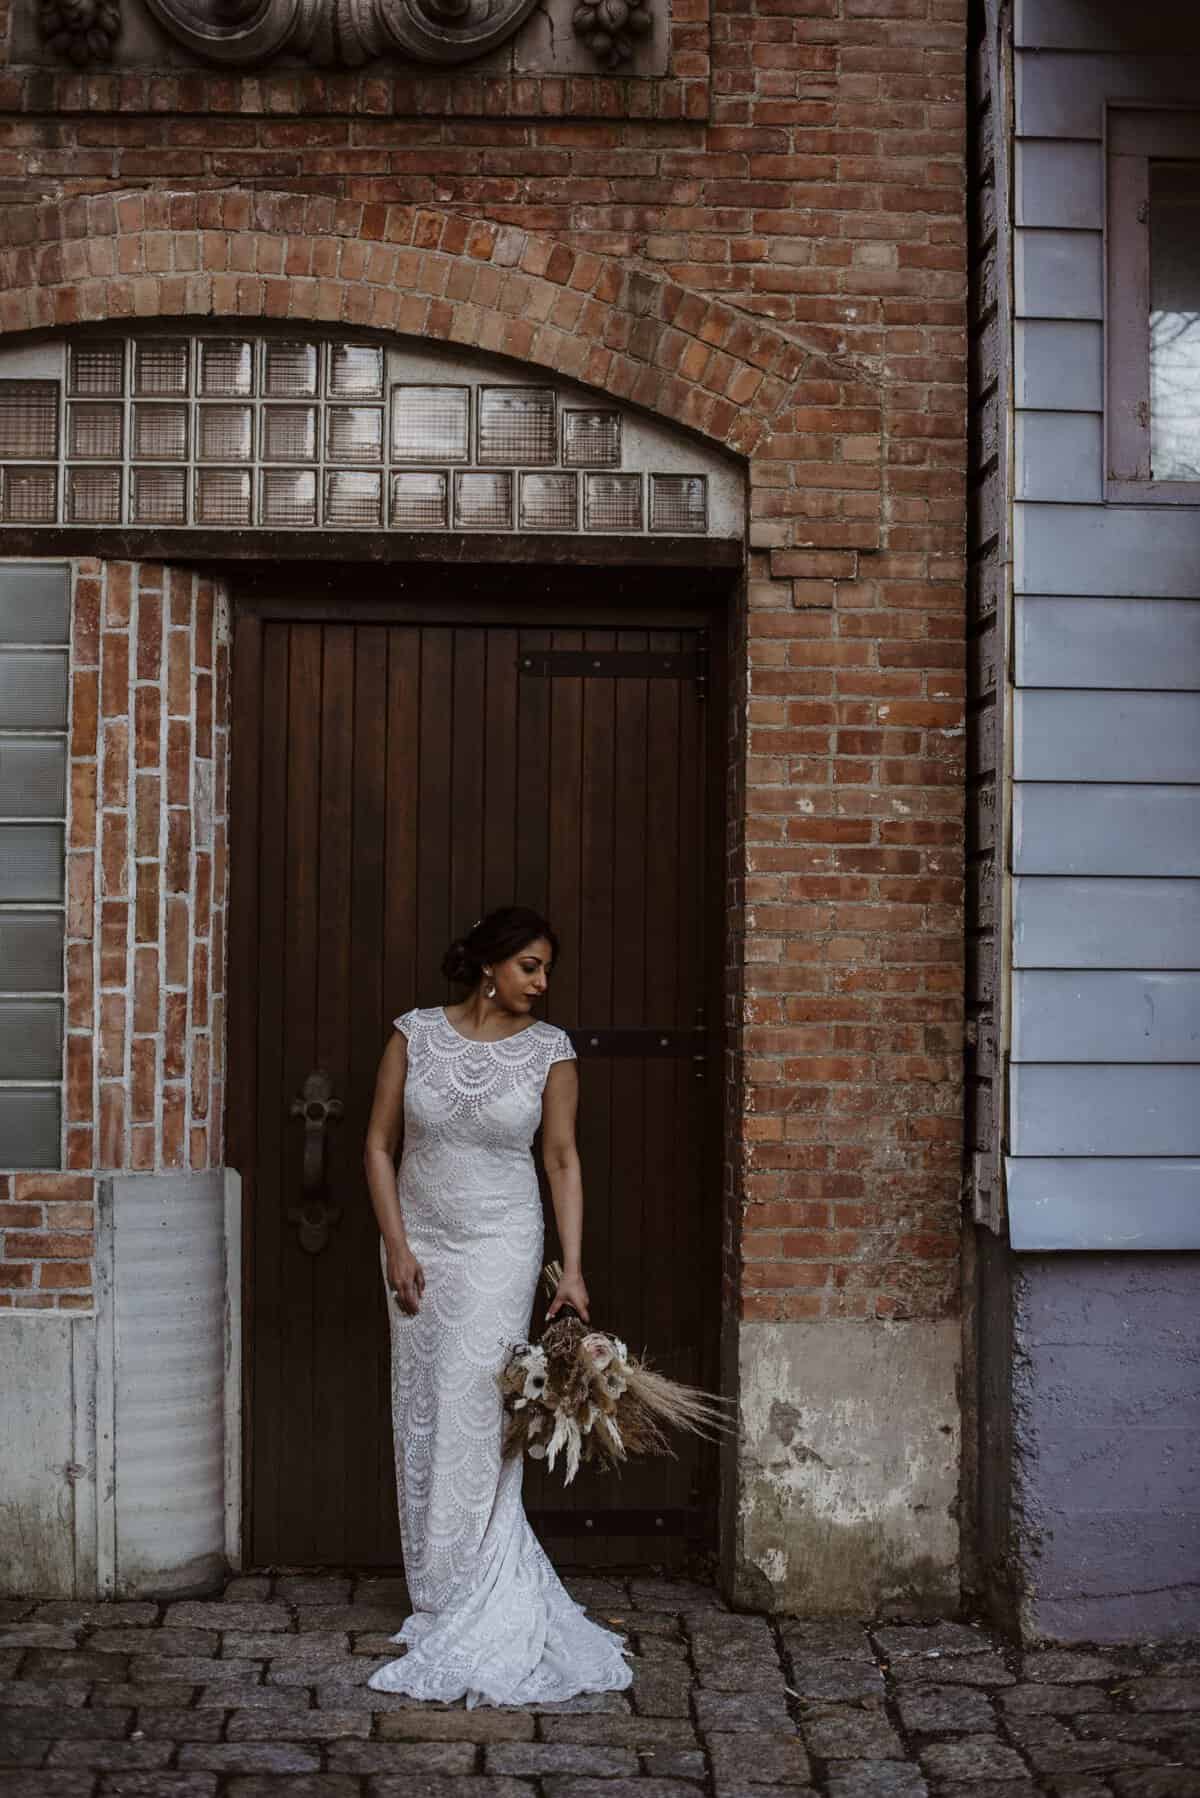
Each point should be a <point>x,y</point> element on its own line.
<point>1106,1446</point>
<point>847,1485</point>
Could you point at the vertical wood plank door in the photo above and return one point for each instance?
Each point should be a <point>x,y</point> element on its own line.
<point>396,781</point>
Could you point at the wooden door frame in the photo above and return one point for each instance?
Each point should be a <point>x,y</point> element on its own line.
<point>512,597</point>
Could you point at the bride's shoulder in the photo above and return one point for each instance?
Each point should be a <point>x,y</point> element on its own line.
<point>555,1041</point>
<point>412,1020</point>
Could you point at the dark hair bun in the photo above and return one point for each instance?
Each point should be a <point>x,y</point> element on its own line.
<point>459,964</point>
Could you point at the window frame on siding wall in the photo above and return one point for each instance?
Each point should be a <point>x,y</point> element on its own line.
<point>1135,136</point>
<point>25,1074</point>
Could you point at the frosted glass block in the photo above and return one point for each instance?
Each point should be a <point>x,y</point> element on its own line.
<point>159,496</point>
<point>431,424</point>
<point>355,371</point>
<point>549,502</point>
<point>94,433</point>
<point>31,951</point>
<point>612,502</point>
<point>290,370</point>
<point>592,439</point>
<point>352,498</point>
<point>517,424</point>
<point>161,367</point>
<point>354,434</point>
<point>289,433</point>
<point>30,1127</point>
<point>93,495</point>
<point>289,496</point>
<point>31,1039</point>
<point>678,502</point>
<point>28,420</point>
<point>224,433</point>
<point>35,602</point>
<point>483,501</point>
<point>32,863</point>
<point>30,495</point>
<point>97,370</point>
<point>160,433</point>
<point>33,689</point>
<point>420,500</point>
<point>226,368</point>
<point>223,496</point>
<point>33,777</point>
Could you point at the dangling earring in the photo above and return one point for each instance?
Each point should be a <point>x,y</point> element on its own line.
<point>490,989</point>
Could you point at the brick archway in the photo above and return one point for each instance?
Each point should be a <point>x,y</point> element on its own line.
<point>450,278</point>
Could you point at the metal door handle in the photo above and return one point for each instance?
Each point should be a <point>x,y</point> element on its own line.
<point>316,1105</point>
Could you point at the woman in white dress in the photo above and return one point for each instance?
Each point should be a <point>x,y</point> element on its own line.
<point>461,1245</point>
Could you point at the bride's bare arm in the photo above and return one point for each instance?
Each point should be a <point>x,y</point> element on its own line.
<point>560,1157</point>
<point>379,1160</point>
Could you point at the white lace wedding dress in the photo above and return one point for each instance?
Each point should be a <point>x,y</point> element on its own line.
<point>491,1620</point>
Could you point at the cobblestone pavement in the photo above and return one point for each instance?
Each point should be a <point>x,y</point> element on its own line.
<point>261,1694</point>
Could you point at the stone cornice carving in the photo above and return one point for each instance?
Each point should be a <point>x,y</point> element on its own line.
<point>242,33</point>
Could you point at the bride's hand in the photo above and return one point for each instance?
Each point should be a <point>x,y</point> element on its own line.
<point>406,1277</point>
<point>570,1291</point>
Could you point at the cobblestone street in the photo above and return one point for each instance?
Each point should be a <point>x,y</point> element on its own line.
<point>262,1692</point>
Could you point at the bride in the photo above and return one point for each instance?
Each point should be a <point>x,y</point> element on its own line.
<point>461,1242</point>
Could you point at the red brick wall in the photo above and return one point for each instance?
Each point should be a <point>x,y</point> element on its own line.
<point>146,880</point>
<point>785,276</point>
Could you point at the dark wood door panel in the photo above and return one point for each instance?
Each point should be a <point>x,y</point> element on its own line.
<point>397,781</point>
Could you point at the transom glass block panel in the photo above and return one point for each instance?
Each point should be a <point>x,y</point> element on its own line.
<point>224,434</point>
<point>678,502</point>
<point>483,501</point>
<point>612,502</point>
<point>289,496</point>
<point>31,1039</point>
<point>93,495</point>
<point>35,602</point>
<point>96,370</point>
<point>30,1126</point>
<point>32,860</point>
<point>159,495</point>
<point>517,424</point>
<point>161,367</point>
<point>421,500</point>
<point>290,370</point>
<point>355,371</point>
<point>30,495</point>
<point>28,420</point>
<point>31,951</point>
<point>431,424</point>
<point>1175,321</point>
<point>161,432</point>
<point>226,368</point>
<point>33,777</point>
<point>592,439</point>
<point>94,432</point>
<point>549,502</point>
<point>289,433</point>
<point>352,497</point>
<point>223,496</point>
<point>33,689</point>
<point>354,434</point>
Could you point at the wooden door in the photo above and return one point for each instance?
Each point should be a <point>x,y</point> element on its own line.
<point>394,781</point>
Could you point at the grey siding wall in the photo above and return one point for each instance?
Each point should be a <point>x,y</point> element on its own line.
<point>1105,1052</point>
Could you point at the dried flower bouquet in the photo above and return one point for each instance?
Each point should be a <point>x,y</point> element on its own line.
<point>579,1391</point>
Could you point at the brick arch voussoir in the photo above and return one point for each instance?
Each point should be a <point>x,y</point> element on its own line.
<point>419,271</point>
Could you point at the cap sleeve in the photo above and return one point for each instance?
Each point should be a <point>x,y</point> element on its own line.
<point>405,1021</point>
<point>562,1048</point>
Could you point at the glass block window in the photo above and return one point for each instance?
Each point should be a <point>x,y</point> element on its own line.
<point>220,430</point>
<point>34,634</point>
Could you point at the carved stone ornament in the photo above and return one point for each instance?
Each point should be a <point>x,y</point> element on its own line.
<point>339,32</point>
<point>83,31</point>
<point>608,27</point>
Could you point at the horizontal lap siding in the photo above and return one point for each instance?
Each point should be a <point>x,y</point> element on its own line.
<point>1105,1052</point>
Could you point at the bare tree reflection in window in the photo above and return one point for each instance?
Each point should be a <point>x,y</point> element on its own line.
<point>1175,321</point>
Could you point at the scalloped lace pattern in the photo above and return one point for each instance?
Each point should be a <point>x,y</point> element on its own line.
<point>491,1622</point>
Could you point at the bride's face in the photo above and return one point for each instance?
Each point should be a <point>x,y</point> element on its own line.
<point>522,979</point>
